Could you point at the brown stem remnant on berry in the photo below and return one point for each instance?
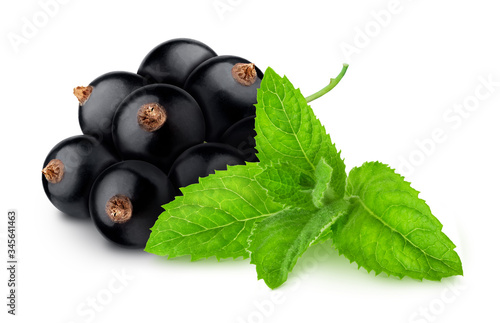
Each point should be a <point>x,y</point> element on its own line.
<point>82,93</point>
<point>54,171</point>
<point>151,116</point>
<point>245,74</point>
<point>119,208</point>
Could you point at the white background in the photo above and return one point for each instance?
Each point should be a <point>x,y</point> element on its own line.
<point>405,78</point>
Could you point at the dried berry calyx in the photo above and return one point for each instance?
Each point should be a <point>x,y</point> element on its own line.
<point>245,74</point>
<point>151,116</point>
<point>82,93</point>
<point>54,171</point>
<point>119,208</point>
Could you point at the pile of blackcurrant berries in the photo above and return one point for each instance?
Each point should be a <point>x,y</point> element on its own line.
<point>186,113</point>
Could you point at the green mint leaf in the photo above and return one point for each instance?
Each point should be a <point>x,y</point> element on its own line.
<point>390,229</point>
<point>323,193</point>
<point>213,217</point>
<point>277,242</point>
<point>288,185</point>
<point>288,131</point>
<point>324,237</point>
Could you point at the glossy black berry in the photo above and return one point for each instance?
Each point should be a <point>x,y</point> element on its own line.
<point>171,62</point>
<point>99,101</point>
<point>241,136</point>
<point>225,87</point>
<point>157,123</point>
<point>202,160</point>
<point>69,171</point>
<point>126,200</point>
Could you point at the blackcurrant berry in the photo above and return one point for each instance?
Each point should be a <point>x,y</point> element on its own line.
<point>171,62</point>
<point>99,101</point>
<point>241,136</point>
<point>69,171</point>
<point>202,160</point>
<point>157,123</point>
<point>225,87</point>
<point>126,200</point>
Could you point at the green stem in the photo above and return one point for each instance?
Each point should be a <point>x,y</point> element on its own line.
<point>331,85</point>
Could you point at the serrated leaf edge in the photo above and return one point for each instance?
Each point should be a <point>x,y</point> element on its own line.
<point>216,174</point>
<point>389,274</point>
<point>327,226</point>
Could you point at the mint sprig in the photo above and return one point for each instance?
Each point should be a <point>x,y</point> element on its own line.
<point>298,195</point>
